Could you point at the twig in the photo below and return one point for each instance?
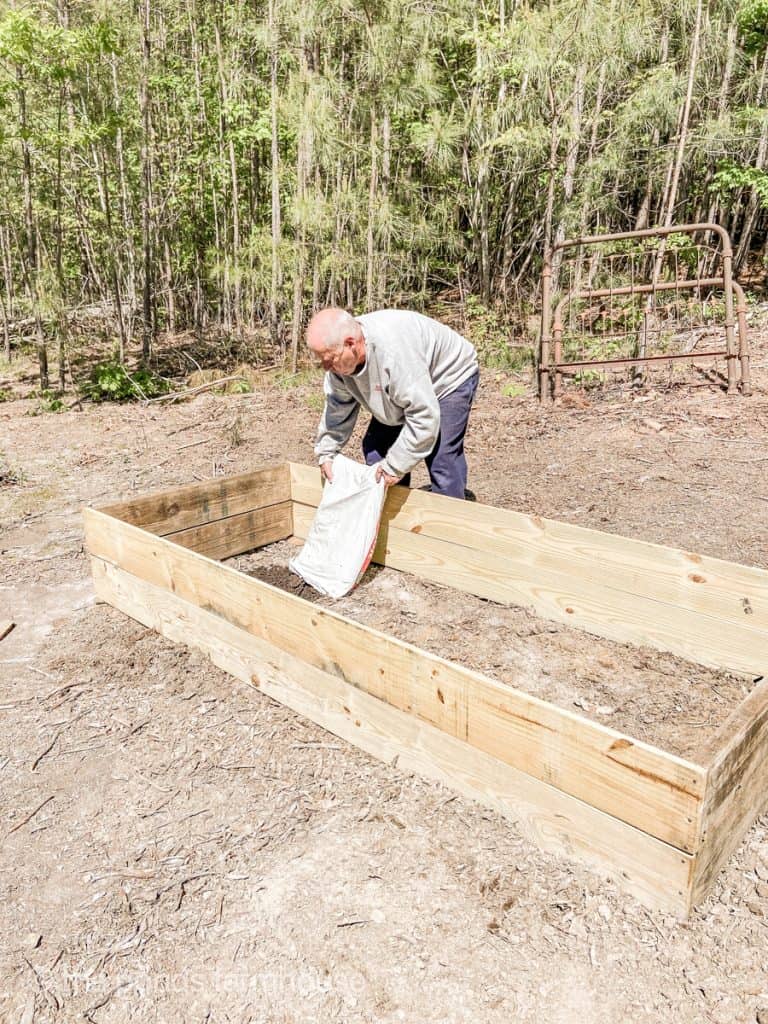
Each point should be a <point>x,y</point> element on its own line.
<point>60,689</point>
<point>192,360</point>
<point>31,668</point>
<point>29,817</point>
<point>105,1000</point>
<point>49,997</point>
<point>238,767</point>
<point>16,703</point>
<point>187,426</point>
<point>203,440</point>
<point>47,750</point>
<point>193,391</point>
<point>5,628</point>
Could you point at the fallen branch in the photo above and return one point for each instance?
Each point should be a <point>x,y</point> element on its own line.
<point>192,444</point>
<point>193,391</point>
<point>29,817</point>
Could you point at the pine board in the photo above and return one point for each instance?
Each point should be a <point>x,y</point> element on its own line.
<point>737,787</point>
<point>180,508</point>
<point>225,538</point>
<point>654,872</point>
<point>639,784</point>
<point>727,590</point>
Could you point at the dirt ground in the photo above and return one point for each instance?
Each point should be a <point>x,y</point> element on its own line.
<point>177,847</point>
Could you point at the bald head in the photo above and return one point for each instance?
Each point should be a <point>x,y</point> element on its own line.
<point>337,340</point>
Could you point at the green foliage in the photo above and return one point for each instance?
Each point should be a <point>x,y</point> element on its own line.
<point>418,147</point>
<point>287,381</point>
<point>514,390</point>
<point>684,247</point>
<point>111,382</point>
<point>489,331</point>
<point>5,395</point>
<point>752,20</point>
<point>730,177</point>
<point>51,401</point>
<point>588,379</point>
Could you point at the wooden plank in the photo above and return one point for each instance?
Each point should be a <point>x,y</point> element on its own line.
<point>5,628</point>
<point>654,872</point>
<point>633,781</point>
<point>626,618</point>
<point>737,787</point>
<point>225,538</point>
<point>179,508</point>
<point>736,594</point>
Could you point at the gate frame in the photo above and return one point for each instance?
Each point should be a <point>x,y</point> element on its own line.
<point>552,327</point>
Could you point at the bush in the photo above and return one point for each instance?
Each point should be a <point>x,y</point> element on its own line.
<point>111,382</point>
<point>489,331</point>
<point>51,401</point>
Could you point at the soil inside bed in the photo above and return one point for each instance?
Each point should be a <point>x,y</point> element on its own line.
<point>649,695</point>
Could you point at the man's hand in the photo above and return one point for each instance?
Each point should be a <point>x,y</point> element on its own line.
<point>327,470</point>
<point>388,479</point>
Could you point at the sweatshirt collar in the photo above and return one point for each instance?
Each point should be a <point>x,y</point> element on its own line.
<point>360,370</point>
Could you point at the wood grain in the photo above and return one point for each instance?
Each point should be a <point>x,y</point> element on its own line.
<point>180,508</point>
<point>614,614</point>
<point>654,872</point>
<point>225,538</point>
<point>641,785</point>
<point>726,590</point>
<point>737,787</point>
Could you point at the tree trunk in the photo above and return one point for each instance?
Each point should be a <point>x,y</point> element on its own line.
<point>385,236</point>
<point>370,236</point>
<point>303,162</point>
<point>30,227</point>
<point>641,220</point>
<point>554,145</point>
<point>673,179</point>
<point>148,324</point>
<point>276,283</point>
<point>226,136</point>
<point>571,156</point>
<point>753,204</point>
<point>126,248</point>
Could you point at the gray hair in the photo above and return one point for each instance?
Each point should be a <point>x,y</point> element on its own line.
<point>335,327</point>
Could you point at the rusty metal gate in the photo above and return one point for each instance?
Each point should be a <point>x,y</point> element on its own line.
<point>645,303</point>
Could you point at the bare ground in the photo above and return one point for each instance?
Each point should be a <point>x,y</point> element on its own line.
<point>177,847</point>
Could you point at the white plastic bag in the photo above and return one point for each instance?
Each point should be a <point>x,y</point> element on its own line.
<point>342,537</point>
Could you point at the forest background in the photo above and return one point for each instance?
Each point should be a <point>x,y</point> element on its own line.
<point>226,167</point>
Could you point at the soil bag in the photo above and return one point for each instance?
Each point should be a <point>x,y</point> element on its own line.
<point>342,537</point>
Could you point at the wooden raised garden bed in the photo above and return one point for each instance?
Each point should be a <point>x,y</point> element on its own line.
<point>661,826</point>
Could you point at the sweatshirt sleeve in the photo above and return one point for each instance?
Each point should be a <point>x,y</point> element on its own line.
<point>420,430</point>
<point>338,419</point>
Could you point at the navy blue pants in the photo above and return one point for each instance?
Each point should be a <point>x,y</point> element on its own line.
<point>446,463</point>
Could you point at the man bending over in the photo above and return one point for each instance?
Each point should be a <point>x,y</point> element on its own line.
<point>416,377</point>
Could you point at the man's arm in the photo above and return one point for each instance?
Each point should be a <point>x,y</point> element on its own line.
<point>420,430</point>
<point>336,423</point>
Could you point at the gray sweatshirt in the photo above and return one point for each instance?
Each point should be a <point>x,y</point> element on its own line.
<point>411,363</point>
